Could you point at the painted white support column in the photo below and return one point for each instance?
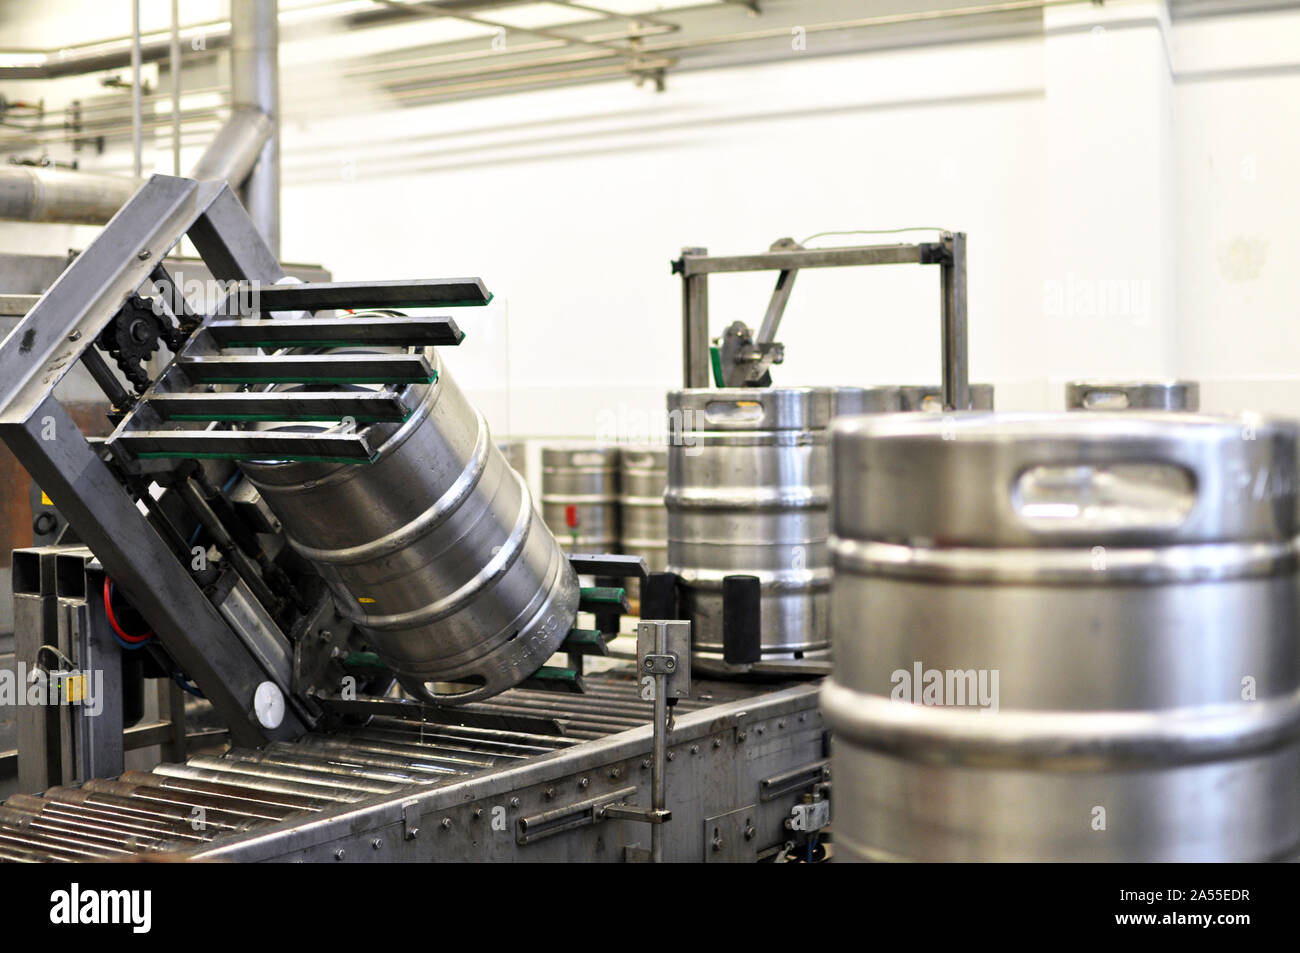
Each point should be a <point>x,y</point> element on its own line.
<point>1109,294</point>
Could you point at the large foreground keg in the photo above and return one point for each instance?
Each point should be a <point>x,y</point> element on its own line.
<point>748,490</point>
<point>1065,637</point>
<point>643,477</point>
<point>434,549</point>
<point>580,496</point>
<point>1133,395</point>
<point>924,397</point>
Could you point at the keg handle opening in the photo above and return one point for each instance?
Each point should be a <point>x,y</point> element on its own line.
<point>1068,497</point>
<point>464,689</point>
<point>1105,398</point>
<point>733,411</point>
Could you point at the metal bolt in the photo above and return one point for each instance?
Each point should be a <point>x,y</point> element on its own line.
<point>717,742</point>
<point>750,833</point>
<point>514,802</point>
<point>478,813</point>
<point>445,823</point>
<point>760,729</point>
<point>645,765</point>
<point>670,664</point>
<point>340,854</point>
<point>649,664</point>
<point>671,755</point>
<point>740,736</point>
<point>781,723</point>
<point>695,749</point>
<point>717,842</point>
<point>74,336</point>
<point>144,255</point>
<point>583,782</point>
<point>377,843</point>
<point>615,773</point>
<point>549,794</point>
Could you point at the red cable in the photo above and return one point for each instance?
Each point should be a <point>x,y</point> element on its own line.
<point>112,619</point>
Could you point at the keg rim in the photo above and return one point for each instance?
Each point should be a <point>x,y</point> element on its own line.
<point>1063,426</point>
<point>1060,741</point>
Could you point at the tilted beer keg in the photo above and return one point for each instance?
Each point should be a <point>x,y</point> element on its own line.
<point>434,549</point>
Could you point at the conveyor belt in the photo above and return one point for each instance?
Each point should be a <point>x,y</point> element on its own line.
<point>182,806</point>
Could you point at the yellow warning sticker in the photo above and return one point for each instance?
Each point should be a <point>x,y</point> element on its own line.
<point>74,688</point>
<point>45,500</point>
<point>365,600</point>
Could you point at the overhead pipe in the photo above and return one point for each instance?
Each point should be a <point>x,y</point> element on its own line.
<point>209,37</point>
<point>255,85</point>
<point>41,194</point>
<point>236,149</point>
<point>36,194</point>
<point>245,152</point>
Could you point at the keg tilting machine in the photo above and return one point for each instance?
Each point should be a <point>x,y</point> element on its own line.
<point>298,511</point>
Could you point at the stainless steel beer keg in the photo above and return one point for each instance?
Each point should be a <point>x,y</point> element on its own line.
<point>434,549</point>
<point>643,478</point>
<point>1133,395</point>
<point>1065,637</point>
<point>748,489</point>
<point>580,496</point>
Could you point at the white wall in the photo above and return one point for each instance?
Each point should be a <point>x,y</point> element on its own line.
<point>573,219</point>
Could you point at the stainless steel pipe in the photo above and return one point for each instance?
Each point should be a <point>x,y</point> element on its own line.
<point>1065,637</point>
<point>33,194</point>
<point>255,84</point>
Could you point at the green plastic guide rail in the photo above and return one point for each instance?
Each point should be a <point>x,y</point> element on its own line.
<point>552,678</point>
<point>585,642</point>
<point>592,598</point>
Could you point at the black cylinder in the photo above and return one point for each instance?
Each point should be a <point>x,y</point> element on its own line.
<point>659,596</point>
<point>741,615</point>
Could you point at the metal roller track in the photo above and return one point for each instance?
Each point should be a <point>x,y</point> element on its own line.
<point>184,807</point>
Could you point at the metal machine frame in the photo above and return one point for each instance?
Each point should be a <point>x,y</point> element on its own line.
<point>58,332</point>
<point>788,258</point>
